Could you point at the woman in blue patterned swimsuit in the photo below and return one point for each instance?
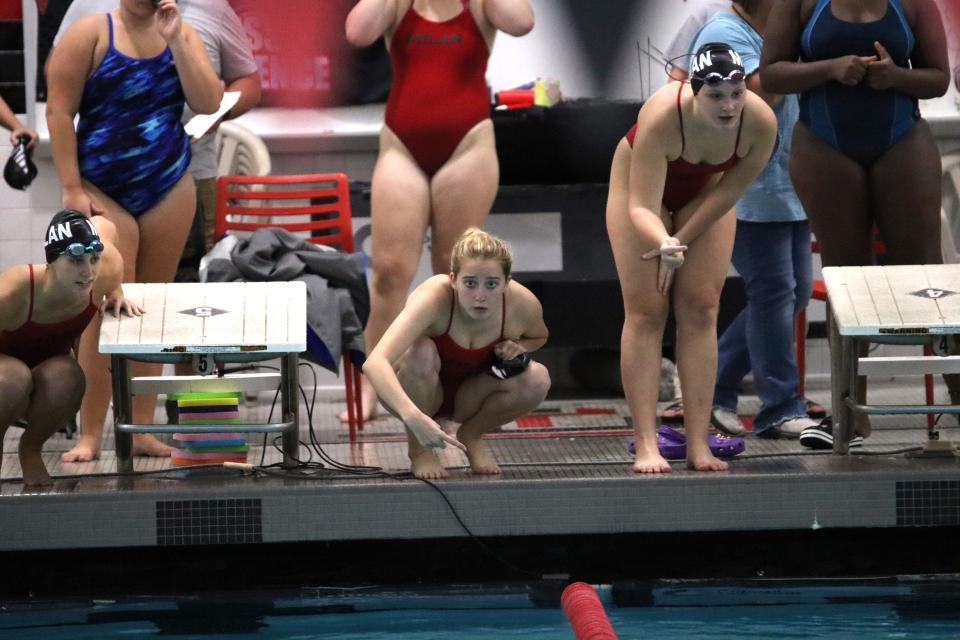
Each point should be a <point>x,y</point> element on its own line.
<point>862,157</point>
<point>128,75</point>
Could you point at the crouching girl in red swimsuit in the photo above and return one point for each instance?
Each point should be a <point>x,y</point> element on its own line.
<point>43,311</point>
<point>460,350</point>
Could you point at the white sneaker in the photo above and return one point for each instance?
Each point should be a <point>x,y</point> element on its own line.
<point>727,421</point>
<point>792,427</point>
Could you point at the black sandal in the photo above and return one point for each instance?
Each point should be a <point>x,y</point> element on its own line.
<point>821,436</point>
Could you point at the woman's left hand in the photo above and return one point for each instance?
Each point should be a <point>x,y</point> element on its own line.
<point>119,303</point>
<point>508,349</point>
<point>168,20</point>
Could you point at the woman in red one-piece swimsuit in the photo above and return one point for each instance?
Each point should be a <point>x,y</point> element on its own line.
<point>437,165</point>
<point>675,178</point>
<point>43,311</point>
<point>435,360</point>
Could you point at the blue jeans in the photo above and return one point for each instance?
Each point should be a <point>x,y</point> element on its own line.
<point>774,260</point>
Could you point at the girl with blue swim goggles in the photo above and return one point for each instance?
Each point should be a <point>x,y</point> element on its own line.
<point>71,234</point>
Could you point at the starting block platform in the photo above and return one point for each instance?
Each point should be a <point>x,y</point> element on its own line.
<point>207,324</point>
<point>902,304</point>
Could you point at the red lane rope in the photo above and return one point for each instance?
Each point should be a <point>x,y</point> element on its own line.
<point>586,614</point>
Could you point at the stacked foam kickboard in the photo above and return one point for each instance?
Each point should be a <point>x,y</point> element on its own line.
<point>208,448</point>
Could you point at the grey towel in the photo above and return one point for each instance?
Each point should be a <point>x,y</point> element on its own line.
<point>338,302</point>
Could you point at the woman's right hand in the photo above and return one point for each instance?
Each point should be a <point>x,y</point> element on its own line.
<point>851,70</point>
<point>169,22</point>
<point>23,131</point>
<point>429,434</point>
<point>671,254</point>
<point>79,200</point>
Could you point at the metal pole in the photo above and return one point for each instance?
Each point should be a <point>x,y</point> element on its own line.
<point>289,388</point>
<point>122,413</point>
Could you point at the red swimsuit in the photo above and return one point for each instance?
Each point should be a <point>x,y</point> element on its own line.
<point>459,363</point>
<point>33,342</point>
<point>686,180</point>
<point>439,91</point>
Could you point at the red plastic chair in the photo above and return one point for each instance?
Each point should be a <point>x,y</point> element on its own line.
<point>800,331</point>
<point>315,206</point>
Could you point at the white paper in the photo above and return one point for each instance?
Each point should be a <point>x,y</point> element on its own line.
<point>200,124</point>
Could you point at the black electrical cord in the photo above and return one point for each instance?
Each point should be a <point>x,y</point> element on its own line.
<point>364,471</point>
<point>313,446</point>
<point>476,539</point>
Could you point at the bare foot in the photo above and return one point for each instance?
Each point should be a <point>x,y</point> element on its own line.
<point>86,449</point>
<point>426,465</point>
<point>651,464</point>
<point>705,461</point>
<point>371,408</point>
<point>34,471</point>
<point>145,444</point>
<point>648,458</point>
<point>481,458</point>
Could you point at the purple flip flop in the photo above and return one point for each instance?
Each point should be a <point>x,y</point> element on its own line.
<point>673,444</point>
<point>725,446</point>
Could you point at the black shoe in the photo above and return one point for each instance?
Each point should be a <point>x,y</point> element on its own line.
<point>821,436</point>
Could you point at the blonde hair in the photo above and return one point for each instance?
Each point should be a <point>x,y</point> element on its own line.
<point>476,243</point>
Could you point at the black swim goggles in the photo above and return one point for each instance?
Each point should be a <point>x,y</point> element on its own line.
<point>77,249</point>
<point>715,79</point>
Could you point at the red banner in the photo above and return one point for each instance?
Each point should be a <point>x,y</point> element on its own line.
<point>299,46</point>
<point>11,10</point>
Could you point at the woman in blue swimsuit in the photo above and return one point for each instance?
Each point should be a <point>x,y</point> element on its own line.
<point>862,156</point>
<point>127,75</point>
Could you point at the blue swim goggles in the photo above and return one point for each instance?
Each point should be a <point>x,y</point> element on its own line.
<point>77,249</point>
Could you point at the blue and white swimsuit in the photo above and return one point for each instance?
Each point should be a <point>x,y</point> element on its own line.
<point>130,142</point>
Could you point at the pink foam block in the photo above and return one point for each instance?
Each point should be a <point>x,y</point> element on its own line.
<point>216,415</point>
<point>186,437</point>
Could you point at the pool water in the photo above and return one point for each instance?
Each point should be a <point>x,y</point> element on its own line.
<point>890,611</point>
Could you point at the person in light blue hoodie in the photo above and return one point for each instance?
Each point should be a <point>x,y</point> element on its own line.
<point>771,253</point>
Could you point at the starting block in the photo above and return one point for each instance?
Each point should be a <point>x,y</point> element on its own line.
<point>207,324</point>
